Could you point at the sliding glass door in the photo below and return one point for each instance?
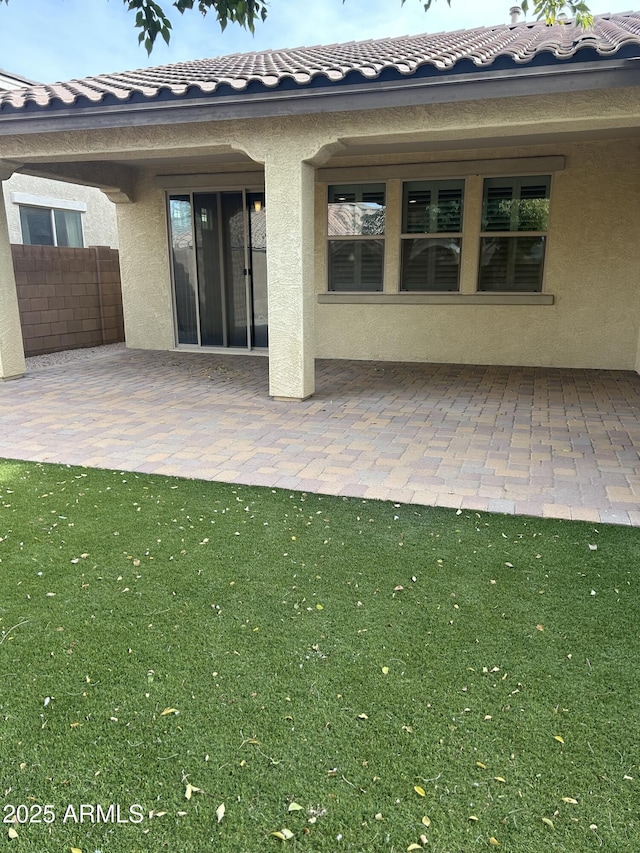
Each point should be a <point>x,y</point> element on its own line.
<point>218,242</point>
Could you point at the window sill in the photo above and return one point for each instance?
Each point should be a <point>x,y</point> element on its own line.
<point>418,298</point>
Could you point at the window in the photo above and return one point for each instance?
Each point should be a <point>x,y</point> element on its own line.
<point>356,228</point>
<point>424,214</point>
<point>515,213</point>
<point>43,226</point>
<point>432,209</point>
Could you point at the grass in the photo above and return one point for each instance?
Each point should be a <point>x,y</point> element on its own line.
<point>375,664</point>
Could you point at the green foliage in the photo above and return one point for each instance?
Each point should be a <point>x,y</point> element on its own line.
<point>527,214</point>
<point>152,20</point>
<point>556,11</point>
<point>440,218</point>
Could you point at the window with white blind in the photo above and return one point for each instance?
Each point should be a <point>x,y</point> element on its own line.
<point>356,232</point>
<point>431,235</point>
<point>515,214</point>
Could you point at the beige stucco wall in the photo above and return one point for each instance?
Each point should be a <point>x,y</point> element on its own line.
<point>12,364</point>
<point>145,269</point>
<point>592,269</point>
<point>98,222</point>
<point>593,255</point>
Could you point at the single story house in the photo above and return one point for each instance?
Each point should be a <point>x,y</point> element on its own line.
<point>469,197</point>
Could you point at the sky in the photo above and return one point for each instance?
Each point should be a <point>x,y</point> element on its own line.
<point>55,40</point>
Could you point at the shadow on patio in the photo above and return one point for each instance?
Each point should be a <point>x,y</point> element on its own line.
<point>549,442</point>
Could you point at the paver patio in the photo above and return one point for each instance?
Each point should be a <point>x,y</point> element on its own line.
<point>546,442</point>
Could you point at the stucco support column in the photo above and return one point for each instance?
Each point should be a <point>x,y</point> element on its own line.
<point>289,190</point>
<point>145,268</point>
<point>12,364</point>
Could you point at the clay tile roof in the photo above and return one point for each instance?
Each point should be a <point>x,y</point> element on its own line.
<point>403,56</point>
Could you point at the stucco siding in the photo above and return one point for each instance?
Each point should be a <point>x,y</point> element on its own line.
<point>592,270</point>
<point>145,269</point>
<point>592,253</point>
<point>98,222</point>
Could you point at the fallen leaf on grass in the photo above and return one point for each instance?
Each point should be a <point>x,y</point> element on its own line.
<point>472,817</point>
<point>295,807</point>
<point>363,717</point>
<point>426,821</point>
<point>283,834</point>
<point>570,800</point>
<point>499,779</point>
<point>559,738</point>
<point>494,841</point>
<point>419,791</point>
<point>540,627</point>
<point>12,833</point>
<point>414,846</point>
<point>169,711</point>
<point>191,789</point>
<point>548,821</point>
<point>385,670</point>
<point>220,812</point>
<point>76,850</point>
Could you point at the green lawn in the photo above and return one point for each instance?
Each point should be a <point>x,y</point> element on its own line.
<point>358,674</point>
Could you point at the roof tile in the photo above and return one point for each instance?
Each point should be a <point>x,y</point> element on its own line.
<point>405,55</point>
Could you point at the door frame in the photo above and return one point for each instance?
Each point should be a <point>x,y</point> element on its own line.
<point>244,188</point>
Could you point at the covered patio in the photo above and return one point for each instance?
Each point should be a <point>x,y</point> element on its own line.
<point>547,442</point>
<point>431,199</point>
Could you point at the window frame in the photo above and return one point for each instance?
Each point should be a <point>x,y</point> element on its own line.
<point>439,184</point>
<point>473,172</point>
<point>356,239</point>
<point>513,234</point>
<point>52,211</point>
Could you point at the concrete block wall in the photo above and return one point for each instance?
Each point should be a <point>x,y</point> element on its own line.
<point>68,298</point>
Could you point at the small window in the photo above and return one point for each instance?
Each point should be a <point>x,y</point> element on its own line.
<point>433,210</point>
<point>515,215</point>
<point>356,229</point>
<point>44,226</point>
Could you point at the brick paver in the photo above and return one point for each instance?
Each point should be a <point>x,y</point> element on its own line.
<point>549,442</point>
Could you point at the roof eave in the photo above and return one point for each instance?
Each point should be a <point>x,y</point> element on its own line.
<point>366,95</point>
